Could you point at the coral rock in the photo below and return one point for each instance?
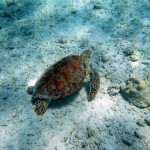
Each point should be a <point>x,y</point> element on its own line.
<point>136,91</point>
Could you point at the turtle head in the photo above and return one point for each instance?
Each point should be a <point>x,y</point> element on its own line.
<point>86,55</point>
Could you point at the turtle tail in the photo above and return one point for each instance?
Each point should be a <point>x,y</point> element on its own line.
<point>41,107</point>
<point>94,84</point>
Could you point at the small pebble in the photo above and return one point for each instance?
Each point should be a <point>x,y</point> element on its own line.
<point>84,143</point>
<point>62,40</point>
<point>97,6</point>
<point>134,57</point>
<point>111,132</point>
<point>107,124</point>
<point>10,47</point>
<point>139,134</point>
<point>127,140</point>
<point>6,15</point>
<point>140,122</point>
<point>65,139</point>
<point>90,132</point>
<point>147,120</point>
<point>5,96</point>
<point>113,90</point>
<point>74,11</point>
<point>129,52</point>
<point>104,58</point>
<point>28,32</point>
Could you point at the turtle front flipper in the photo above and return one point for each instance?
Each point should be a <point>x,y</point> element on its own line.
<point>94,83</point>
<point>41,106</point>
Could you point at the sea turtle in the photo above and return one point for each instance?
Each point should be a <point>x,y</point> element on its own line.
<point>62,79</point>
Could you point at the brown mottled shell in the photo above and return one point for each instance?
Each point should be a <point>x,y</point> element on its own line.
<point>61,79</point>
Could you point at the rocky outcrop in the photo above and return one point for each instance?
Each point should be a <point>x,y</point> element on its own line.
<point>137,92</point>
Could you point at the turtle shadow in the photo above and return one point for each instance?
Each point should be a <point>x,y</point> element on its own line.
<point>62,102</point>
<point>58,103</point>
<point>86,85</point>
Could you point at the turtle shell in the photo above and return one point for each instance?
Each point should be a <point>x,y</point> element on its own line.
<point>61,79</point>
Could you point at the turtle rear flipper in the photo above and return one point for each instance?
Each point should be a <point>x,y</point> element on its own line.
<point>30,90</point>
<point>41,106</point>
<point>94,84</point>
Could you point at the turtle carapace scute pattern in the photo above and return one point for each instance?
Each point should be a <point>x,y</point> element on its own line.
<point>62,79</point>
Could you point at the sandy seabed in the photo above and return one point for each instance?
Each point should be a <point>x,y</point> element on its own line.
<point>35,34</point>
